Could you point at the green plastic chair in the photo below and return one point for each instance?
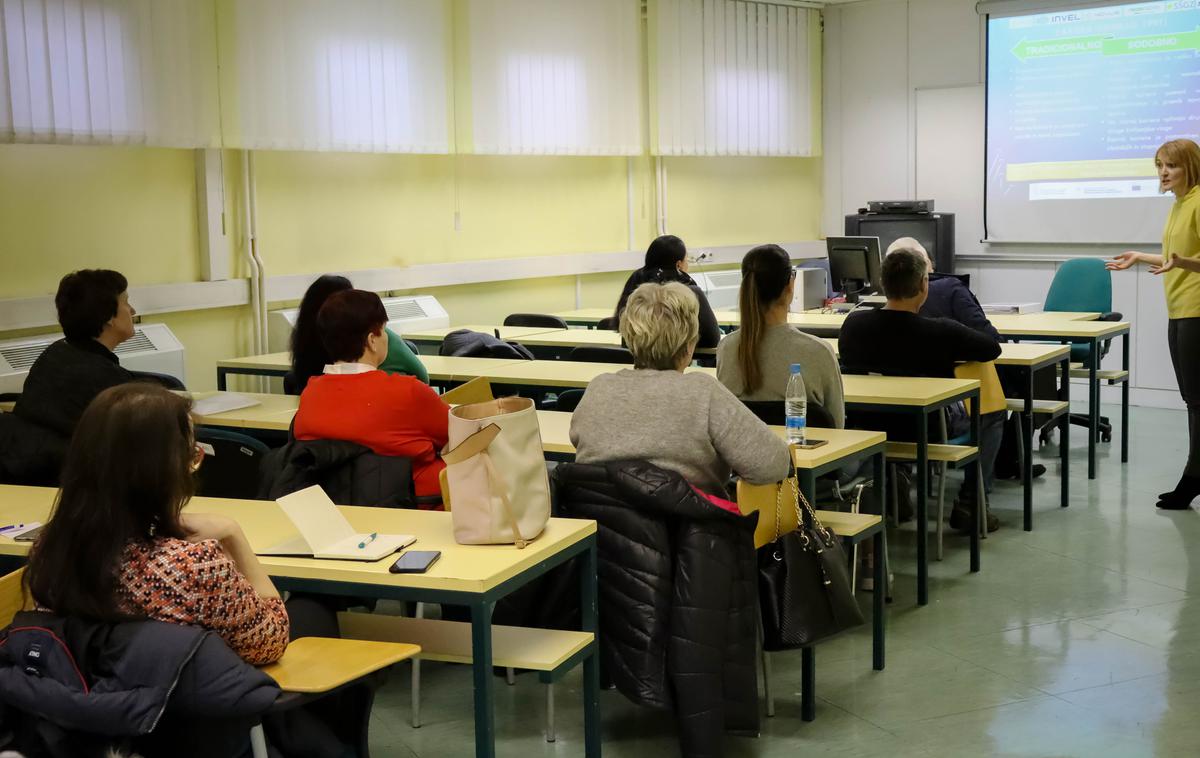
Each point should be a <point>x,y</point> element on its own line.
<point>1082,285</point>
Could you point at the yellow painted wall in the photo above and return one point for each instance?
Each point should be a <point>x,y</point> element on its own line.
<point>133,209</point>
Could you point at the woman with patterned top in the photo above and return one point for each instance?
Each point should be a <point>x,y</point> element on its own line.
<point>119,548</point>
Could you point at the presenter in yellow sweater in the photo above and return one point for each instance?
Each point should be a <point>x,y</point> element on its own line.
<point>1178,163</point>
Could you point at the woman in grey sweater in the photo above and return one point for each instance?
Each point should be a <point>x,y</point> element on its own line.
<point>657,412</point>
<point>754,362</point>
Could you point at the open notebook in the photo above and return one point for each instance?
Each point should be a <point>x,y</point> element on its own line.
<point>325,532</point>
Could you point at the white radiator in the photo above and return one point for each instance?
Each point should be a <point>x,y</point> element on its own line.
<point>151,348</point>
<point>405,314</point>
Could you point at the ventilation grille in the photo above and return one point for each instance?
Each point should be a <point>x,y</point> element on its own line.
<point>21,357</point>
<point>138,343</point>
<point>402,309</point>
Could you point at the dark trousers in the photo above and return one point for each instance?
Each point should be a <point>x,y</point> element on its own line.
<point>1183,337</point>
<point>991,431</point>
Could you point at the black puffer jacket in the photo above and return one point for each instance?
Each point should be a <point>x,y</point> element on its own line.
<point>678,596</point>
<point>466,343</point>
<point>348,472</point>
<point>70,687</point>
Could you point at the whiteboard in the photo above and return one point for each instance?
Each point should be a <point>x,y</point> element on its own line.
<point>949,158</point>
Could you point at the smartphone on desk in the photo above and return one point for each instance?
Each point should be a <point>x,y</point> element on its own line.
<point>415,561</point>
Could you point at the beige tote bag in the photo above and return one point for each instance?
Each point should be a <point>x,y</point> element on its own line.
<point>496,473</point>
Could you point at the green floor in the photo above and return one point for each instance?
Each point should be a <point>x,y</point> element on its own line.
<point>1078,639</point>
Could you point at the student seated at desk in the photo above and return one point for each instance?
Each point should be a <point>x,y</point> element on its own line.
<point>755,361</point>
<point>95,316</point>
<point>118,545</point>
<point>685,422</point>
<point>896,341</point>
<point>667,261</point>
<point>309,356</point>
<point>355,401</point>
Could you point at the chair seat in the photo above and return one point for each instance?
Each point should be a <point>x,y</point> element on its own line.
<point>322,664</point>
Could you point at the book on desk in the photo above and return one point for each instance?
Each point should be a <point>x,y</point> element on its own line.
<point>325,532</point>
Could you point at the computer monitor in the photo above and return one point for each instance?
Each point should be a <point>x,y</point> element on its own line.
<point>854,265</point>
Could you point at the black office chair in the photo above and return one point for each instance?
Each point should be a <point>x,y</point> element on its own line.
<point>535,319</point>
<point>599,354</point>
<point>166,380</point>
<point>412,346</point>
<point>568,400</point>
<point>233,468</point>
<point>608,323</point>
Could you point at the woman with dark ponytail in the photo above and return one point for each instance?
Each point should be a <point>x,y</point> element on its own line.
<point>754,362</point>
<point>666,261</point>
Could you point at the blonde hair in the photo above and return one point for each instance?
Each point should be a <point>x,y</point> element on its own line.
<point>1185,153</point>
<point>660,324</point>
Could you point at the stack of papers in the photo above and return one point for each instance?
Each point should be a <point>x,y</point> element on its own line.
<point>222,402</point>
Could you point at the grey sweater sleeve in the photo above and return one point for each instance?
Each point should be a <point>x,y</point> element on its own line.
<point>831,391</point>
<point>752,450</point>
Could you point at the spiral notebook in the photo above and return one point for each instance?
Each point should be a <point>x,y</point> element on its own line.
<point>325,532</point>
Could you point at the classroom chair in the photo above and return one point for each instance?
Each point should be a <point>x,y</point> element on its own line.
<point>232,470</point>
<point>535,319</point>
<point>600,354</point>
<point>166,380</point>
<point>1083,285</point>
<point>311,668</point>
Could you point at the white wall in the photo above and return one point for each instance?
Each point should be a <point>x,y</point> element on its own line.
<point>903,119</point>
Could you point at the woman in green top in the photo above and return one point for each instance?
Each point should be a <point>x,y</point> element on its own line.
<point>1178,164</point>
<point>308,354</point>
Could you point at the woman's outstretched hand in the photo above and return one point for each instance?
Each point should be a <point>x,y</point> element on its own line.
<point>1123,261</point>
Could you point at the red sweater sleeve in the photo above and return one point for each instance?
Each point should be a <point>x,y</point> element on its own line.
<point>431,413</point>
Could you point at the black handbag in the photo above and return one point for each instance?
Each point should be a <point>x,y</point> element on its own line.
<point>803,583</point>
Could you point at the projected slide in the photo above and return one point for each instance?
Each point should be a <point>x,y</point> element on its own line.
<point>1078,101</point>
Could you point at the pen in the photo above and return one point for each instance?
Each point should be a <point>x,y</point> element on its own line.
<point>11,526</point>
<point>368,540</point>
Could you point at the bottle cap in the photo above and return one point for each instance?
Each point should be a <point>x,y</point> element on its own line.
<point>795,368</point>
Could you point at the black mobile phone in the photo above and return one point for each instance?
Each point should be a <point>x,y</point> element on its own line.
<point>415,561</point>
<point>29,536</point>
<point>811,444</point>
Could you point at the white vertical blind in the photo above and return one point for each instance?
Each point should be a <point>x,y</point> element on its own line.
<point>337,75</point>
<point>556,77</point>
<point>732,77</point>
<point>108,71</point>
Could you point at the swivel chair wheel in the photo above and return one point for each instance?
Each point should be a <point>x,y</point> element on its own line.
<point>1106,436</point>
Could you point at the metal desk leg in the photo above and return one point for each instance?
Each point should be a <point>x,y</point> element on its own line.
<point>1027,463</point>
<point>222,375</point>
<point>923,508</point>
<point>589,613</point>
<point>481,654</point>
<point>981,493</point>
<point>881,587</point>
<point>808,683</point>
<point>1093,406</point>
<point>1125,398</point>
<point>1064,432</point>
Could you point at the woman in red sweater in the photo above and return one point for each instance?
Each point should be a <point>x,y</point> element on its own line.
<point>355,401</point>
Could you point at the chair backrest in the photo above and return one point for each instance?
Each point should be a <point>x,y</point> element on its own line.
<point>1080,284</point>
<point>166,380</point>
<point>600,354</point>
<point>568,400</point>
<point>991,394</point>
<point>12,596</point>
<point>233,468</point>
<point>771,413</point>
<point>608,323</point>
<point>535,319</point>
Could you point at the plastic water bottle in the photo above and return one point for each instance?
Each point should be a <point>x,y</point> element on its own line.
<point>795,407</point>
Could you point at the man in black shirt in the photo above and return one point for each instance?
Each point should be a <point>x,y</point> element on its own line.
<point>896,341</point>
<point>95,315</point>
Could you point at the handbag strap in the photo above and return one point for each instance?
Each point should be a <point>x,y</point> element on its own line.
<point>471,446</point>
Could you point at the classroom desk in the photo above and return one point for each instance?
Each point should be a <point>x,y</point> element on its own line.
<point>273,412</point>
<point>476,576</point>
<point>1024,360</point>
<point>1093,333</point>
<point>917,398</point>
<point>546,343</point>
<point>443,369</point>
<point>591,316</point>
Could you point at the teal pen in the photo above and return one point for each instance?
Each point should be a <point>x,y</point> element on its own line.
<point>367,541</point>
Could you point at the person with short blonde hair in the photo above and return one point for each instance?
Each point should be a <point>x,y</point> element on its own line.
<point>660,326</point>
<point>1178,164</point>
<point>685,422</point>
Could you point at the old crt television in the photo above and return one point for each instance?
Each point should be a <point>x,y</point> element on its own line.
<point>933,230</point>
